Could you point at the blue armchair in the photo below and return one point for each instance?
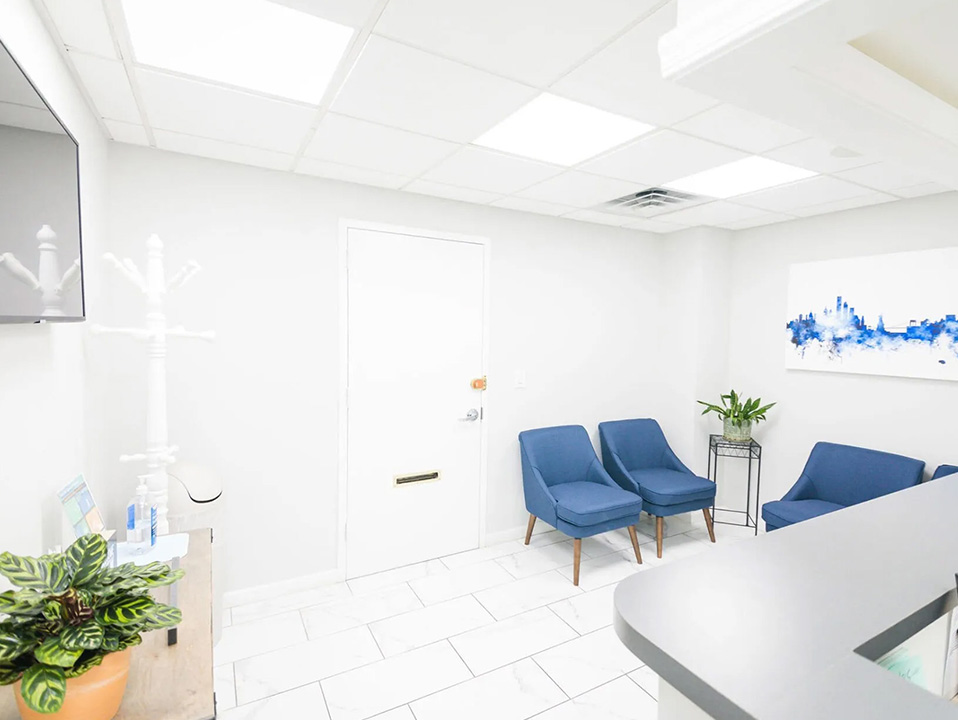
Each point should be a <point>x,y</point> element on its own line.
<point>944,470</point>
<point>565,486</point>
<point>639,459</point>
<point>837,476</point>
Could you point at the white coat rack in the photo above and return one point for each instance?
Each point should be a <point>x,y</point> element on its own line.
<point>159,453</point>
<point>48,282</point>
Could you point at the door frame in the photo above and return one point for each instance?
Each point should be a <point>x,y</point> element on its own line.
<point>345,225</point>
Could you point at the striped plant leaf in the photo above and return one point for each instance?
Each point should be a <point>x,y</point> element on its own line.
<point>126,611</point>
<point>131,641</point>
<point>9,674</point>
<point>85,665</point>
<point>86,556</point>
<point>163,616</point>
<point>47,574</point>
<point>51,652</point>
<point>44,688</point>
<point>88,636</point>
<point>12,646</point>
<point>23,602</point>
<point>52,610</point>
<point>111,642</point>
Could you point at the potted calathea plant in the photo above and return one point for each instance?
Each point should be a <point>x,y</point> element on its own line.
<point>737,415</point>
<point>66,633</point>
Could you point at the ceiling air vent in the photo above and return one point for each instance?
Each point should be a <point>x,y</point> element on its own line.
<point>653,201</point>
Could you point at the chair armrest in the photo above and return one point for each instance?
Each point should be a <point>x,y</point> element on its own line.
<point>598,474</point>
<point>539,501</point>
<point>804,489</point>
<point>617,472</point>
<point>677,465</point>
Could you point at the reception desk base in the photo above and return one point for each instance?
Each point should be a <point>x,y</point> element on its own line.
<point>673,705</point>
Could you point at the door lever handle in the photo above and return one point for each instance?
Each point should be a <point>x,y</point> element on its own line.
<point>471,416</point>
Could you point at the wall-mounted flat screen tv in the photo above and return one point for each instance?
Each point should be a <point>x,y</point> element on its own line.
<point>41,263</point>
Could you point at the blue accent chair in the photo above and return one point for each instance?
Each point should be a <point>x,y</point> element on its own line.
<point>837,476</point>
<point>566,486</point>
<point>944,470</point>
<point>639,459</point>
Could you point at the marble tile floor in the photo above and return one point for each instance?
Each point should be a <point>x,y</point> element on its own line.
<point>499,632</point>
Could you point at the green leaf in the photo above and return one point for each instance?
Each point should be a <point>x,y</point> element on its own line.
<point>52,610</point>
<point>47,574</point>
<point>44,688</point>
<point>164,616</point>
<point>131,641</point>
<point>85,665</point>
<point>86,556</point>
<point>88,636</point>
<point>111,643</point>
<point>51,652</point>
<point>12,646</point>
<point>126,611</point>
<point>9,674</point>
<point>23,602</point>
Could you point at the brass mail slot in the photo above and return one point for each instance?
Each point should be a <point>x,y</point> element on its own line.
<point>417,478</point>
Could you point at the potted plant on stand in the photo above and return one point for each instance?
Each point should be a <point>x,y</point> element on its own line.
<point>737,416</point>
<point>66,634</point>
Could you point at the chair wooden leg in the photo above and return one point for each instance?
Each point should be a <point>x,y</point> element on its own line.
<point>708,522</point>
<point>578,554</point>
<point>635,544</point>
<point>532,524</point>
<point>658,535</point>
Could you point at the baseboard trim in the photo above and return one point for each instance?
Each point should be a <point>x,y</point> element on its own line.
<point>283,587</point>
<point>516,533</point>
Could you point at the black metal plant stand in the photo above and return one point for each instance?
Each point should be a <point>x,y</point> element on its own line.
<point>751,451</point>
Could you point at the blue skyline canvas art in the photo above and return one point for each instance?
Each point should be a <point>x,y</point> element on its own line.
<point>891,314</point>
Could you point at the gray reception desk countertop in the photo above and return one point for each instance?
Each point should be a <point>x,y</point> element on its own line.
<point>767,628</point>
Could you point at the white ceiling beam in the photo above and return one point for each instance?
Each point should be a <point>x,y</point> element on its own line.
<point>121,35</point>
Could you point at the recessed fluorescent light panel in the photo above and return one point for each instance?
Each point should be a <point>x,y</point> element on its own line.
<point>740,177</point>
<point>560,131</point>
<point>252,44</point>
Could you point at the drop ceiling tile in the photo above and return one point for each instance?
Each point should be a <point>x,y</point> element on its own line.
<point>656,226</point>
<point>451,192</point>
<point>715,213</point>
<point>818,155</point>
<point>805,193</point>
<point>578,189</point>
<point>881,176</point>
<point>354,13</point>
<point>108,86</point>
<point>660,157</point>
<point>535,41</point>
<point>218,150</point>
<point>82,25</point>
<point>913,191</point>
<point>360,143</point>
<point>203,110</point>
<point>872,198</point>
<point>740,129</point>
<point>130,133</point>
<point>766,219</point>
<point>396,85</point>
<point>600,218</point>
<point>532,206</point>
<point>626,78</point>
<point>335,171</point>
<point>482,169</point>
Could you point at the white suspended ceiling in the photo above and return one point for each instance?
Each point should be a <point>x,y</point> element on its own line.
<point>422,80</point>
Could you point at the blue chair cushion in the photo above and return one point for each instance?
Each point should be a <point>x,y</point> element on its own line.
<point>588,503</point>
<point>671,487</point>
<point>944,470</point>
<point>788,512</point>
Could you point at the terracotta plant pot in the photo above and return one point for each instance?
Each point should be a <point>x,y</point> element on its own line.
<point>95,695</point>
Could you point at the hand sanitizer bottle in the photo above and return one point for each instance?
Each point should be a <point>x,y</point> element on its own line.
<point>141,521</point>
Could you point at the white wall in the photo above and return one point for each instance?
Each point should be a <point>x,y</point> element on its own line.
<point>42,393</point>
<point>574,305</point>
<point>911,417</point>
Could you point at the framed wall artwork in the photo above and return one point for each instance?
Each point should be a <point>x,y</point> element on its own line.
<point>893,314</point>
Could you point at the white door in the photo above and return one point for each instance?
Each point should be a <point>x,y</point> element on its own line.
<point>414,438</point>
